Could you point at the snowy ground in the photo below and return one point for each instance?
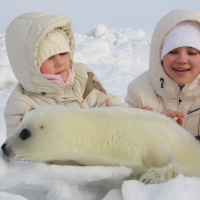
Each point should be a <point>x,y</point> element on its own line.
<point>117,56</point>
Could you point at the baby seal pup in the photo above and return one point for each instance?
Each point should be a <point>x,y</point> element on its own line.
<point>155,147</point>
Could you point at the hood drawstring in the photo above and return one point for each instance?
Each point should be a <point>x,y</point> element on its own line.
<point>162,82</point>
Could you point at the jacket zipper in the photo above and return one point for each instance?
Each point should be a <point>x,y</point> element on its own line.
<point>180,96</point>
<point>189,111</point>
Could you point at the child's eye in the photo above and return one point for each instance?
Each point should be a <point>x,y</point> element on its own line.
<point>193,52</point>
<point>172,52</point>
<point>63,53</point>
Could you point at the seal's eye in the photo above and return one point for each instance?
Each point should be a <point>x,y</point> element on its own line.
<point>25,134</point>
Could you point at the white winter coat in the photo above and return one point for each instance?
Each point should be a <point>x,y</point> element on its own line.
<point>23,37</point>
<point>154,88</point>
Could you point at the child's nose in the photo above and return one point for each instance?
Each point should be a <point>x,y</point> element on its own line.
<point>58,60</point>
<point>182,58</point>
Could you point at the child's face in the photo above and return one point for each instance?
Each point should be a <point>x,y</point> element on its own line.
<point>182,65</point>
<point>58,64</point>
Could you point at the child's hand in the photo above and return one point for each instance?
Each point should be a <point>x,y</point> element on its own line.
<point>175,114</point>
<point>109,103</point>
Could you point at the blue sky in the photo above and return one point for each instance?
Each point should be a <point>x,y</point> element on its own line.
<point>135,14</point>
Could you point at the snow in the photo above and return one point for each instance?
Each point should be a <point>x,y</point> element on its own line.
<point>117,56</point>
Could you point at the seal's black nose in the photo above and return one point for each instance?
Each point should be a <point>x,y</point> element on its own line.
<point>25,134</point>
<point>3,146</point>
<point>5,150</point>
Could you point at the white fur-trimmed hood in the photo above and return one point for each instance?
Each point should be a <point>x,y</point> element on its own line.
<point>23,36</point>
<point>156,72</point>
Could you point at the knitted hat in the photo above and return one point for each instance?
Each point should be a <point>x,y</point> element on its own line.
<point>184,34</point>
<point>54,43</point>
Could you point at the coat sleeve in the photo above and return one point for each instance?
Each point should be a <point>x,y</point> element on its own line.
<point>133,97</point>
<point>16,107</point>
<point>141,93</point>
<point>114,99</point>
<point>95,87</point>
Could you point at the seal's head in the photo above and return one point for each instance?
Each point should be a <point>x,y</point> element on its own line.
<point>38,137</point>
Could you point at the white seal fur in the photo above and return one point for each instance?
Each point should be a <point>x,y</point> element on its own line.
<point>154,146</point>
